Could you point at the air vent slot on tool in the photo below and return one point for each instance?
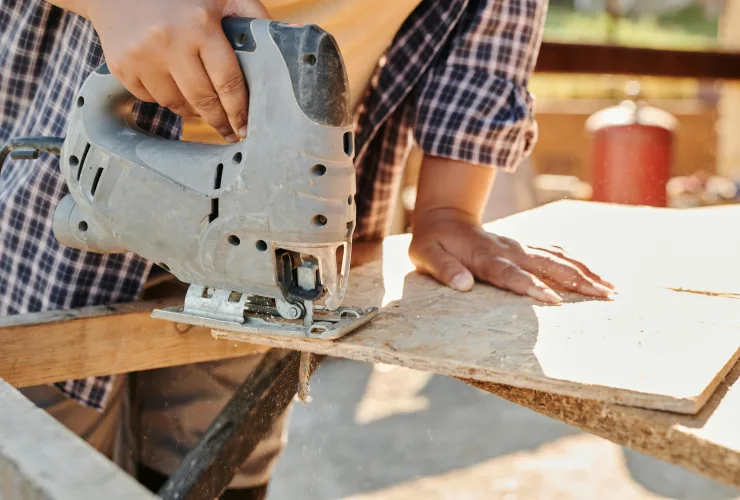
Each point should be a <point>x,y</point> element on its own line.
<point>348,143</point>
<point>81,163</point>
<point>96,180</point>
<point>216,185</point>
<point>214,210</point>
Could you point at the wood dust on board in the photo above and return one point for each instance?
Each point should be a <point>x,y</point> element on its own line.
<point>710,294</point>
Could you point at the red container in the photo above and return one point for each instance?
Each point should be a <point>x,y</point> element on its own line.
<point>632,154</point>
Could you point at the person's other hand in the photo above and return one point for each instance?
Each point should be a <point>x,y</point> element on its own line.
<point>452,247</point>
<point>174,53</point>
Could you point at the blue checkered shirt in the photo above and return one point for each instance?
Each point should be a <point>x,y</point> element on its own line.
<point>454,81</point>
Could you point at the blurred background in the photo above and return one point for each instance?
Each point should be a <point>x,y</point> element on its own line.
<point>637,102</point>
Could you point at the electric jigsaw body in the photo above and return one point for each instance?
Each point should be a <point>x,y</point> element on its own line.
<point>255,227</point>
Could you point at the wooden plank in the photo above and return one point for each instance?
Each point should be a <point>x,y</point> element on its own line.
<point>40,459</point>
<point>707,443</point>
<point>652,347</point>
<point>53,346</point>
<point>517,341</point>
<point>556,57</point>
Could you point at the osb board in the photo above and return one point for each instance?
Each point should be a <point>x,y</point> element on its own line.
<point>708,442</point>
<point>640,247</point>
<point>652,347</point>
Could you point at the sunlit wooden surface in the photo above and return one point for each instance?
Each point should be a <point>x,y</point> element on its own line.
<point>665,342</point>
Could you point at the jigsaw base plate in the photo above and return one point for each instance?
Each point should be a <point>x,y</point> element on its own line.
<point>329,325</point>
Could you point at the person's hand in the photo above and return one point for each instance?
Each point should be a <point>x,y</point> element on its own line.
<point>452,247</point>
<point>174,53</point>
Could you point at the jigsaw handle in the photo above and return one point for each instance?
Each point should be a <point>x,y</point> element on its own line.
<point>314,63</point>
<point>310,54</point>
<point>295,75</point>
<point>221,215</point>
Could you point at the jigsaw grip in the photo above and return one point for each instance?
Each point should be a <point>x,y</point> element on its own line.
<point>220,215</point>
<point>299,105</point>
<point>305,66</point>
<point>314,63</point>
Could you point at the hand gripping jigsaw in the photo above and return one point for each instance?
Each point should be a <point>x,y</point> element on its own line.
<point>255,227</point>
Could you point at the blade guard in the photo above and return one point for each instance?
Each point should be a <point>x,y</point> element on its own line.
<point>217,215</point>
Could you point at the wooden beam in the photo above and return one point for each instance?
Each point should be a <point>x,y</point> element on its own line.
<point>54,346</point>
<point>40,459</point>
<point>555,57</point>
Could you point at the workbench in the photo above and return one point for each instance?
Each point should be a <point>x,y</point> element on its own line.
<point>674,270</point>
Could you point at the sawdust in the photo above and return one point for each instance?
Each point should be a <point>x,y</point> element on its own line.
<point>710,294</point>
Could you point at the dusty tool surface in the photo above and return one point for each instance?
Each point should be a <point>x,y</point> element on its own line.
<point>665,342</point>
<point>254,227</point>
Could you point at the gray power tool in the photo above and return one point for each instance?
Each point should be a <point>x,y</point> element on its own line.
<point>254,227</point>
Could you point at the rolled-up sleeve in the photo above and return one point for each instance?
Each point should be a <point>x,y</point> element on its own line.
<point>473,103</point>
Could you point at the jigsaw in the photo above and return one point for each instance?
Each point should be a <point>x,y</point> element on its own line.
<point>261,229</point>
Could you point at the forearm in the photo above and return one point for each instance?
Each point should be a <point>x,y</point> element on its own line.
<point>454,185</point>
<point>76,6</point>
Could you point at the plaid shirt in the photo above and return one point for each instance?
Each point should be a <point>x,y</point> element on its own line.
<point>454,81</point>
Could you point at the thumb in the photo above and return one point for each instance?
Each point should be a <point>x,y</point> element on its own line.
<point>246,8</point>
<point>444,267</point>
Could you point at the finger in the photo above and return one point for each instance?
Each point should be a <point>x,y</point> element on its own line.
<point>512,248</point>
<point>240,8</point>
<point>566,275</point>
<point>166,93</point>
<point>131,82</point>
<point>562,272</point>
<point>196,87</point>
<point>560,252</point>
<point>587,271</point>
<point>222,67</point>
<point>504,274</point>
<point>139,91</point>
<point>444,267</point>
